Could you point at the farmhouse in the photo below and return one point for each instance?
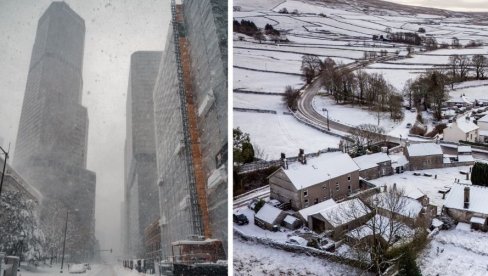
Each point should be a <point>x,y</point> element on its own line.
<point>467,203</point>
<point>424,156</point>
<point>463,129</point>
<point>372,166</point>
<point>301,184</point>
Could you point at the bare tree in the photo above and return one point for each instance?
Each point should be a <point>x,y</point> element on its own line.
<point>479,62</point>
<point>259,36</point>
<point>291,97</point>
<point>310,68</point>
<point>386,227</point>
<point>367,134</point>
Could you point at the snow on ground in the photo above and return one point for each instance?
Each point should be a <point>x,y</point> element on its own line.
<point>259,101</point>
<point>397,78</point>
<point>479,92</point>
<point>264,81</point>
<point>456,253</point>
<point>351,115</point>
<point>428,185</point>
<point>253,230</point>
<point>96,270</point>
<point>257,259</point>
<point>276,133</point>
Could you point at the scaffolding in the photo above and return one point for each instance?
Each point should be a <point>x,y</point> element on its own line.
<point>196,176</point>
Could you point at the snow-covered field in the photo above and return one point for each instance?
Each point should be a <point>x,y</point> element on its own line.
<point>257,259</point>
<point>277,133</point>
<point>427,185</point>
<point>456,253</point>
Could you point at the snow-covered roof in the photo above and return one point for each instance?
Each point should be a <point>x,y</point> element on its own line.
<point>483,119</point>
<point>483,132</point>
<point>345,212</point>
<point>383,227</point>
<point>398,160</point>
<point>268,213</point>
<point>465,125</point>
<point>290,219</point>
<point>424,149</point>
<point>410,191</point>
<point>477,220</point>
<point>465,158</point>
<point>320,169</point>
<point>316,208</point>
<point>464,149</point>
<point>406,206</point>
<point>371,160</point>
<point>477,198</point>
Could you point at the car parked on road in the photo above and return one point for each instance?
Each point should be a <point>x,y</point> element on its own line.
<point>240,219</point>
<point>77,268</point>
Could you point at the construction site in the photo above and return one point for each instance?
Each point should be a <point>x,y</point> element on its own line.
<point>190,106</point>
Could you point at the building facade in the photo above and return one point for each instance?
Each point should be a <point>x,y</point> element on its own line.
<point>193,187</point>
<point>330,176</point>
<point>424,156</point>
<point>141,190</point>
<point>51,146</point>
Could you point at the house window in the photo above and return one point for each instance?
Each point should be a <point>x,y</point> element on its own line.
<point>316,201</point>
<point>349,188</point>
<point>349,178</point>
<point>306,202</point>
<point>305,193</point>
<point>337,186</point>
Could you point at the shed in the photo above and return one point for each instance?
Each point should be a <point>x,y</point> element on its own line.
<point>291,222</point>
<point>269,216</point>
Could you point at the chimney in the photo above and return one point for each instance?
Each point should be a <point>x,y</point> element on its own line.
<point>283,162</point>
<point>384,188</point>
<point>301,156</point>
<point>466,197</point>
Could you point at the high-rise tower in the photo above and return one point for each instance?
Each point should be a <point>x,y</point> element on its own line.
<point>141,190</point>
<point>51,143</point>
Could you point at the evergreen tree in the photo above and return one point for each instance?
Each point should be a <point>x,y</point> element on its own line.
<point>479,174</point>
<point>407,265</point>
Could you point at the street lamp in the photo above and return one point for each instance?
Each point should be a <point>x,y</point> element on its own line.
<point>64,241</point>
<point>325,109</point>
<point>4,166</point>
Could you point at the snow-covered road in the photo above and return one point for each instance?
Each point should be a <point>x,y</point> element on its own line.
<point>97,270</point>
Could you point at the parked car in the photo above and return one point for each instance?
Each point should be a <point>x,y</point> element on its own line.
<point>87,266</point>
<point>409,125</point>
<point>252,204</point>
<point>274,203</point>
<point>413,110</point>
<point>77,268</point>
<point>240,219</point>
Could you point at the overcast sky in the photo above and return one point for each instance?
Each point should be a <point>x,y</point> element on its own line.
<point>114,30</point>
<point>457,5</point>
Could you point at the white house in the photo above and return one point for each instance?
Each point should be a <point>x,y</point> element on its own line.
<point>463,129</point>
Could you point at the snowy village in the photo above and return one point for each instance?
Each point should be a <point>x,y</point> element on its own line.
<point>359,139</point>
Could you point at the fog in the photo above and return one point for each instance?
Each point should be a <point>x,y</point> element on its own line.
<point>114,30</point>
<point>455,5</point>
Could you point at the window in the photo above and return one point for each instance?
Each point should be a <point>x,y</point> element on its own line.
<point>306,202</point>
<point>305,193</point>
<point>337,186</point>
<point>349,178</point>
<point>316,201</point>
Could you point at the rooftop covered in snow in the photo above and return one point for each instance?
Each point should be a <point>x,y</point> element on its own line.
<point>345,212</point>
<point>477,198</point>
<point>369,161</point>
<point>320,169</point>
<point>268,213</point>
<point>316,208</point>
<point>424,149</point>
<point>465,124</point>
